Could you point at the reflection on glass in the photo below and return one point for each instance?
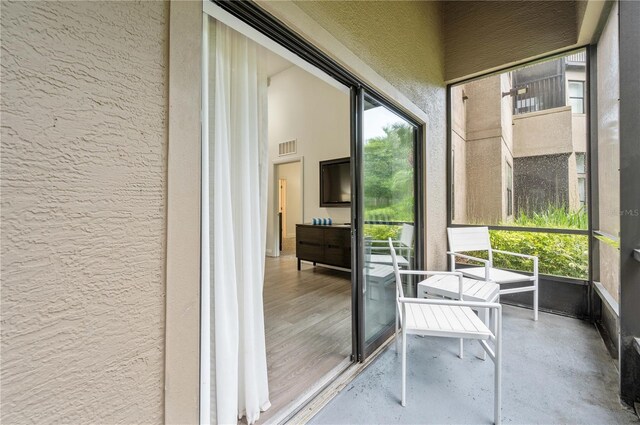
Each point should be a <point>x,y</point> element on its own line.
<point>518,144</point>
<point>387,179</point>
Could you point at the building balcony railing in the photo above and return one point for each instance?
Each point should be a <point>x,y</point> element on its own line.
<point>577,58</point>
<point>545,93</point>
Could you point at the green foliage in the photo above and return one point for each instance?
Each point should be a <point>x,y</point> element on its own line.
<point>381,232</point>
<point>388,175</point>
<point>558,254</point>
<point>557,217</point>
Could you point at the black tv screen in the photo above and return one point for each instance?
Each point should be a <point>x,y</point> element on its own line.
<point>335,183</point>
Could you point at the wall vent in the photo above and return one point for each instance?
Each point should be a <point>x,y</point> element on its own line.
<point>287,148</point>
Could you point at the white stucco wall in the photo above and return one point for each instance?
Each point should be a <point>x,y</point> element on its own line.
<point>84,117</point>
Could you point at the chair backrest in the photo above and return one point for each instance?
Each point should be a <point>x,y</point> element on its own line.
<point>396,270</point>
<point>406,235</point>
<point>367,249</point>
<point>469,239</point>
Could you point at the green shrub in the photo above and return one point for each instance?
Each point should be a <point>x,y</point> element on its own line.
<point>558,254</point>
<point>558,217</point>
<point>381,232</point>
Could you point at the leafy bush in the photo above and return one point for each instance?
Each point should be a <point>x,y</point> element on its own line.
<point>381,232</point>
<point>558,217</point>
<point>558,254</point>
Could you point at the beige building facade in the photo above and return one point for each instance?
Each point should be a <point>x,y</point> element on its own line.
<point>519,147</point>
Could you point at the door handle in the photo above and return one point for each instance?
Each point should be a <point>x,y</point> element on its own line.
<point>636,254</point>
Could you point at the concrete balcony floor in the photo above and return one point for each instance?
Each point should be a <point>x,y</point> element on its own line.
<point>556,370</point>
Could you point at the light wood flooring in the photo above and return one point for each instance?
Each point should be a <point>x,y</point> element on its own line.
<point>307,324</point>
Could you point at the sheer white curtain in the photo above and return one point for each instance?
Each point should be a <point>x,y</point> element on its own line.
<point>237,216</point>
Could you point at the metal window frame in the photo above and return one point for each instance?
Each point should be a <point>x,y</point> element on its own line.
<point>587,284</point>
<point>584,85</point>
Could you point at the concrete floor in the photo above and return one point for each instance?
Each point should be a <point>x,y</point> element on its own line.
<point>556,370</point>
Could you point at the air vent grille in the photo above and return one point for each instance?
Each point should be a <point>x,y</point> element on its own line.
<point>287,148</point>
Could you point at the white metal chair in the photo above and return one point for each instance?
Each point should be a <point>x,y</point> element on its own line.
<point>448,319</point>
<point>465,239</point>
<point>443,286</point>
<point>404,247</point>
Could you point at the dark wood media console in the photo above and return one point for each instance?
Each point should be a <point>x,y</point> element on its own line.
<point>329,245</point>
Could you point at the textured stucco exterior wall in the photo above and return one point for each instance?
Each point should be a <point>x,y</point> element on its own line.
<point>484,180</point>
<point>545,132</point>
<point>84,113</point>
<point>410,55</point>
<point>484,114</point>
<point>485,35</point>
<point>488,143</point>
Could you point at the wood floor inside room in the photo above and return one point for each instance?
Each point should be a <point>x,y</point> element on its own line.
<point>307,325</point>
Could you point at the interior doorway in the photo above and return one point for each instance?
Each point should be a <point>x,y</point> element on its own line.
<point>290,203</point>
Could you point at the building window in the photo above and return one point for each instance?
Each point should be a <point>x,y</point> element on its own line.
<point>582,177</point>
<point>576,96</point>
<point>509,173</point>
<point>580,163</point>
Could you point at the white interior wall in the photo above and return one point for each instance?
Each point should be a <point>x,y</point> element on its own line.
<point>316,114</point>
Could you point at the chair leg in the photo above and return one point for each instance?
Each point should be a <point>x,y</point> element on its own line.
<point>396,334</point>
<point>461,355</point>
<point>535,299</point>
<point>485,318</point>
<point>404,368</point>
<point>498,368</point>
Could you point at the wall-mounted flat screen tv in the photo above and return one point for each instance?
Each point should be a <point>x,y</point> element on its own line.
<point>335,183</point>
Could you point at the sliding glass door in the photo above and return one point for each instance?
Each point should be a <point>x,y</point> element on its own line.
<point>386,208</point>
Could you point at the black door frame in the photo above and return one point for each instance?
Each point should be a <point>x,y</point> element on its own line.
<point>364,349</point>
<point>271,27</point>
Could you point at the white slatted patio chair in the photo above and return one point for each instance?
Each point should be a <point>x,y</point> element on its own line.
<point>443,286</point>
<point>466,239</point>
<point>447,319</point>
<point>404,247</point>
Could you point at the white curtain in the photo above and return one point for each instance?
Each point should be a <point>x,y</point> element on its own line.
<point>238,217</point>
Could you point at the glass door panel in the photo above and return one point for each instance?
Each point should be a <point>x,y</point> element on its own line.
<point>388,211</point>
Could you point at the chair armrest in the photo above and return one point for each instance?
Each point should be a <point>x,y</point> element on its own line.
<point>469,257</point>
<point>515,254</point>
<point>383,241</point>
<point>474,304</point>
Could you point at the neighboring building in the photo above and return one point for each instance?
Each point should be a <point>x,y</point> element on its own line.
<point>526,133</point>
